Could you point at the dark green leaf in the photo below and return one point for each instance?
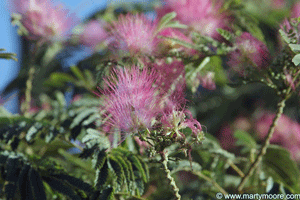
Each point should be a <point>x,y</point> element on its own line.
<point>107,194</point>
<point>101,175</point>
<point>74,181</point>
<point>100,157</point>
<point>61,187</point>
<point>13,168</point>
<point>244,139</point>
<point>36,185</point>
<point>278,164</point>
<point>136,164</point>
<point>24,185</point>
<point>10,191</point>
<point>118,170</point>
<point>87,152</point>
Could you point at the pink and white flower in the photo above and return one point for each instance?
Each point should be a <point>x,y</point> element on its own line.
<point>134,34</point>
<point>44,20</point>
<point>130,100</point>
<point>249,52</point>
<point>94,34</point>
<point>201,15</point>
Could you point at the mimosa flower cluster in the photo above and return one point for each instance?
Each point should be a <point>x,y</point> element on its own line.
<point>204,16</point>
<point>44,20</point>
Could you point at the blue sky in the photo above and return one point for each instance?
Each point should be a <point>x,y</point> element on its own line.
<point>9,38</point>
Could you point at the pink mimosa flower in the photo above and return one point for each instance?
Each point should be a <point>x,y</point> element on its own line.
<point>130,100</point>
<point>250,52</point>
<point>134,34</point>
<point>264,122</point>
<point>227,141</point>
<point>43,19</point>
<point>171,81</point>
<point>279,4</point>
<point>94,33</point>
<point>295,10</point>
<point>207,81</point>
<point>202,15</point>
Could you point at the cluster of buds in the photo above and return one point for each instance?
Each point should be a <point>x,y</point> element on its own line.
<point>285,70</point>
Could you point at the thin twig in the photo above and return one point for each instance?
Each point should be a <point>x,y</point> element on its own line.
<point>236,168</point>
<point>208,179</point>
<point>28,90</point>
<point>215,184</point>
<point>263,150</point>
<point>164,161</point>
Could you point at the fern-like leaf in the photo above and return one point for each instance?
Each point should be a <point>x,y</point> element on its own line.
<point>36,185</point>
<point>76,182</point>
<point>101,175</point>
<point>118,170</point>
<point>61,187</point>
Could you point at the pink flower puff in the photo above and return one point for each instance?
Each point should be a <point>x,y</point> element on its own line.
<point>94,34</point>
<point>134,34</point>
<point>43,20</point>
<point>130,100</point>
<point>286,134</point>
<point>207,81</point>
<point>249,52</point>
<point>202,15</point>
<point>295,10</point>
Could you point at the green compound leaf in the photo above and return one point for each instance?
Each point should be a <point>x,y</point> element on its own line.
<point>36,185</point>
<point>62,187</point>
<point>245,139</point>
<point>8,56</point>
<point>76,182</point>
<point>225,34</point>
<point>101,175</point>
<point>181,42</point>
<point>296,59</point>
<point>164,21</point>
<point>278,164</point>
<point>118,170</point>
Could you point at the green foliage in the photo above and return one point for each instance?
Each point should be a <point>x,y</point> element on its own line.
<point>27,177</point>
<point>245,140</point>
<point>166,22</point>
<point>277,163</point>
<point>296,59</point>
<point>128,170</point>
<point>225,34</point>
<point>8,56</point>
<point>83,79</point>
<point>12,127</point>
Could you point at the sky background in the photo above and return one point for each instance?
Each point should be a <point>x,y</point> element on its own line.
<point>10,40</point>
